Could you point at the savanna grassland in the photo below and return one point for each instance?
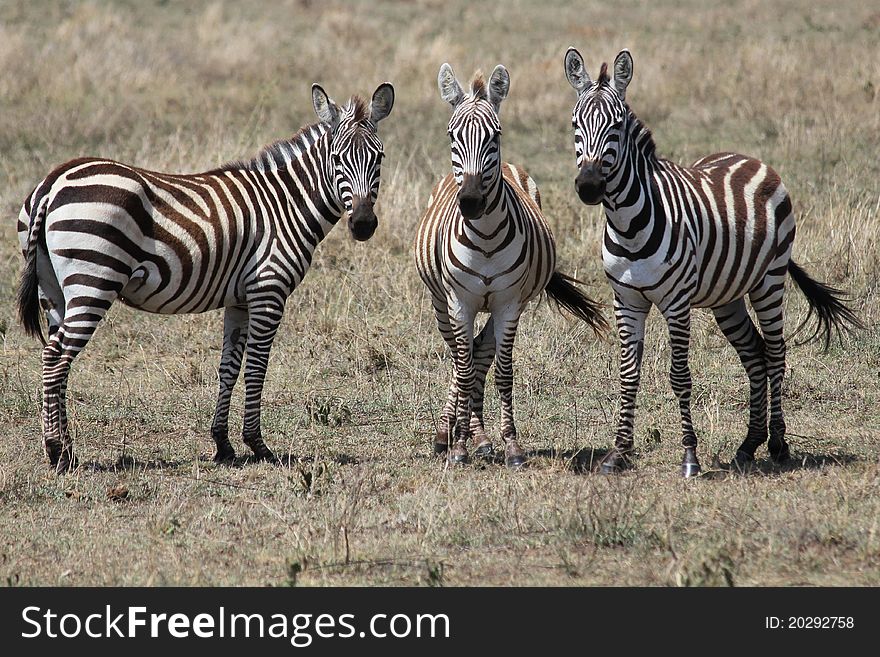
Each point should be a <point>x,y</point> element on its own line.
<point>358,371</point>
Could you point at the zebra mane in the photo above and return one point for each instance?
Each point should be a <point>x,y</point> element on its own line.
<point>641,134</point>
<point>603,74</point>
<point>478,85</point>
<point>278,154</point>
<point>359,108</point>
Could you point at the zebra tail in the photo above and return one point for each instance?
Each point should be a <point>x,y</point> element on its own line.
<point>28,299</point>
<point>562,290</point>
<point>827,303</point>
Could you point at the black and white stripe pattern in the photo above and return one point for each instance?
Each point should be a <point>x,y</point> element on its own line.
<point>483,245</point>
<point>678,238</point>
<point>240,237</point>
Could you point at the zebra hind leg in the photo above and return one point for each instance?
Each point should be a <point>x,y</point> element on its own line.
<point>77,328</point>
<point>505,334</point>
<point>679,325</point>
<point>736,325</point>
<point>767,302</point>
<point>235,324</point>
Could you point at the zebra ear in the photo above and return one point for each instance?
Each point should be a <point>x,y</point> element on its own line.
<point>450,89</point>
<point>499,85</point>
<point>383,101</point>
<point>325,108</point>
<point>623,72</point>
<point>575,72</point>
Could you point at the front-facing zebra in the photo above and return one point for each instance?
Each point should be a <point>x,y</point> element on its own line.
<point>483,245</point>
<point>678,238</point>
<point>240,237</point>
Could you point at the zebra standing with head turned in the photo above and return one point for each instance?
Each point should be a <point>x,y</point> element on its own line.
<point>678,238</point>
<point>240,237</point>
<point>483,245</point>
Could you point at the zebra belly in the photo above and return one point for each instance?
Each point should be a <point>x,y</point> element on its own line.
<point>146,290</point>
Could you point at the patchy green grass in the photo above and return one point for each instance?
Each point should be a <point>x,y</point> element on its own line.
<point>358,372</point>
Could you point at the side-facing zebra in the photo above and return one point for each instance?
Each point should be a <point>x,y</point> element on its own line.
<point>483,245</point>
<point>676,237</point>
<point>240,237</point>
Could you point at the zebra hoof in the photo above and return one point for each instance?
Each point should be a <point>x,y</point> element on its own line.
<point>264,455</point>
<point>441,443</point>
<point>66,462</point>
<point>614,463</point>
<point>458,454</point>
<point>690,466</point>
<point>224,455</point>
<point>742,461</point>
<point>485,451</point>
<point>779,455</point>
<point>514,457</point>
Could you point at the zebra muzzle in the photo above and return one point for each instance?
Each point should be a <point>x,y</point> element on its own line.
<point>471,200</point>
<point>590,183</point>
<point>362,221</point>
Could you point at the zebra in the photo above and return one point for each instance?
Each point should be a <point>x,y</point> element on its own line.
<point>704,236</point>
<point>483,245</point>
<point>240,237</point>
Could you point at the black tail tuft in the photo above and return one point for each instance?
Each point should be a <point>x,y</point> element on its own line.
<point>562,290</point>
<point>826,303</point>
<point>29,301</point>
<point>28,298</point>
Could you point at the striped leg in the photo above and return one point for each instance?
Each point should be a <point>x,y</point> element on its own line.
<point>264,318</point>
<point>462,327</point>
<point>505,334</point>
<point>631,335</point>
<point>81,318</point>
<point>484,354</point>
<point>734,321</point>
<point>767,302</point>
<point>678,320</point>
<point>235,327</point>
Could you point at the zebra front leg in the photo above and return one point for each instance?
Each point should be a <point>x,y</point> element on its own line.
<point>505,334</point>
<point>678,319</point>
<point>447,415</point>
<point>235,326</point>
<point>263,321</point>
<point>484,354</point>
<point>631,335</point>
<point>463,331</point>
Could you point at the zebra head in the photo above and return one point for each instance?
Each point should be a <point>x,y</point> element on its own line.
<point>599,120</point>
<point>475,135</point>
<point>355,153</point>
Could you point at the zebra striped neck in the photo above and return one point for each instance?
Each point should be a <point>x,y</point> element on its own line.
<point>306,156</point>
<point>630,197</point>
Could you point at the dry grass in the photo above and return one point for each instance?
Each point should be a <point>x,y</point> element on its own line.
<point>358,371</point>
